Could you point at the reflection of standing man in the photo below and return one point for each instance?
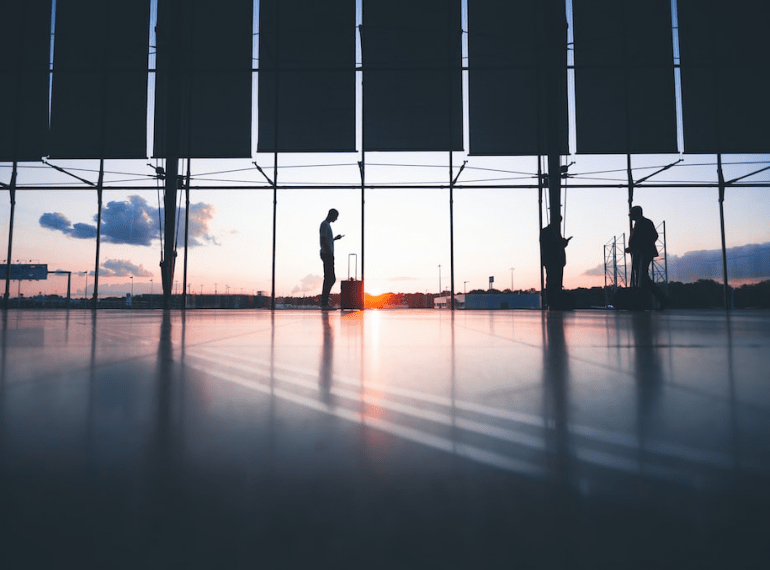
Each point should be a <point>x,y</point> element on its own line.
<point>554,257</point>
<point>327,256</point>
<point>325,374</point>
<point>641,246</point>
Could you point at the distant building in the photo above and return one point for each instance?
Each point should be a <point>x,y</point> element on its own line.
<point>502,301</point>
<point>443,302</point>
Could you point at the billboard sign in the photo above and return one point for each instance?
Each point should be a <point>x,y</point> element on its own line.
<point>27,271</point>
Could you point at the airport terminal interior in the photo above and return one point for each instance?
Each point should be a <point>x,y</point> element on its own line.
<point>368,439</point>
<point>384,439</point>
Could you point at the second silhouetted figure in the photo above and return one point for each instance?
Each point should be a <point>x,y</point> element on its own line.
<point>641,246</point>
<point>554,258</point>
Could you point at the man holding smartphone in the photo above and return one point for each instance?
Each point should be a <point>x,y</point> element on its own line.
<point>327,256</point>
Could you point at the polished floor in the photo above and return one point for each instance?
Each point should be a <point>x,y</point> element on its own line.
<point>384,439</point>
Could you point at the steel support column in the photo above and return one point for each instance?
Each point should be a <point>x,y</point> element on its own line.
<point>451,237</point>
<point>540,226</point>
<point>362,169</point>
<point>186,233</point>
<point>720,174</point>
<point>630,175</point>
<point>99,200</point>
<point>12,190</point>
<point>168,261</point>
<point>554,70</point>
<point>171,41</point>
<point>275,221</point>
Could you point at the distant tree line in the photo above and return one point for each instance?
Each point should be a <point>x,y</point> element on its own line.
<point>706,293</point>
<point>703,294</point>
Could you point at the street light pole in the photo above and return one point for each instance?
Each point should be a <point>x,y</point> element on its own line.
<point>512,268</point>
<point>132,290</point>
<point>439,280</point>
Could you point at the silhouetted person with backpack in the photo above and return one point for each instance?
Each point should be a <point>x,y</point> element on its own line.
<point>641,246</point>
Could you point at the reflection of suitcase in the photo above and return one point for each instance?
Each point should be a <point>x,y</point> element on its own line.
<point>352,290</point>
<point>633,299</point>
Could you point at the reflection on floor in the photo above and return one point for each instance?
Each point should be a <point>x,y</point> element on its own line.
<point>384,439</point>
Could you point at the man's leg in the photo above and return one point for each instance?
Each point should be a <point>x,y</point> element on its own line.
<point>635,260</point>
<point>329,278</point>
<point>554,276</point>
<point>649,284</point>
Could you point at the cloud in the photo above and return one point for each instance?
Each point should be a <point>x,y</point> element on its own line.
<point>133,221</point>
<point>83,231</point>
<point>595,271</point>
<point>122,268</point>
<point>200,216</point>
<point>59,222</point>
<point>309,283</point>
<point>56,221</point>
<point>750,261</point>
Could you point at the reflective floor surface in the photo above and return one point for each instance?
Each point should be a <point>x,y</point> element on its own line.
<point>384,439</point>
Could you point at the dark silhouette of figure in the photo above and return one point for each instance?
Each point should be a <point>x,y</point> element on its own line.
<point>641,246</point>
<point>327,256</point>
<point>554,258</point>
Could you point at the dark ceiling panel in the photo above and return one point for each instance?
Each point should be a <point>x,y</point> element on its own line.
<point>204,79</point>
<point>725,75</point>
<point>412,59</point>
<point>24,57</point>
<point>625,97</point>
<point>508,74</point>
<point>307,75</point>
<point>99,96</point>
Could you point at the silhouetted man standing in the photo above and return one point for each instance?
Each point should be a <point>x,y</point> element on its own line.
<point>327,256</point>
<point>554,256</point>
<point>641,246</point>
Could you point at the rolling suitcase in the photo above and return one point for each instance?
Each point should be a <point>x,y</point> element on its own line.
<point>352,290</point>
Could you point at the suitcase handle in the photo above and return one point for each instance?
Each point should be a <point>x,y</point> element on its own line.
<point>356,266</point>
